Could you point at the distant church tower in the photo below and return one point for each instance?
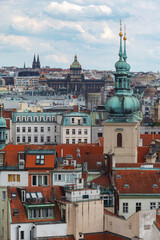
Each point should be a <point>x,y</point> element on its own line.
<point>2,130</point>
<point>122,127</point>
<point>36,64</point>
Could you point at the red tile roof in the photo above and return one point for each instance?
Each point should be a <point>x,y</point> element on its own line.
<point>11,154</point>
<point>91,153</point>
<point>158,221</point>
<point>139,181</point>
<point>102,180</point>
<point>103,236</point>
<point>48,162</point>
<point>101,141</point>
<point>141,152</point>
<point>63,238</point>
<point>16,203</point>
<point>147,138</point>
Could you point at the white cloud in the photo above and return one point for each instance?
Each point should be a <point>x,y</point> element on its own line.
<point>13,40</point>
<point>107,34</point>
<point>57,58</point>
<point>70,8</point>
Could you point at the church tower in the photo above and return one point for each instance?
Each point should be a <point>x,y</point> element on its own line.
<point>2,130</point>
<point>122,127</point>
<point>36,64</point>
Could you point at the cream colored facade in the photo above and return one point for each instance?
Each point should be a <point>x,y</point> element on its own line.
<point>130,140</point>
<point>23,106</point>
<point>4,234</point>
<point>80,134</point>
<point>140,225</point>
<point>83,217</point>
<point>155,111</point>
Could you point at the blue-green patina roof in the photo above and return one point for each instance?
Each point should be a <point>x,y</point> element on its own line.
<point>67,122</point>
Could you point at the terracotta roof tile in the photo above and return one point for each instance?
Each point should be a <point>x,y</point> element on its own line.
<point>147,138</point>
<point>139,181</point>
<point>63,238</point>
<point>91,153</point>
<point>141,152</point>
<point>102,180</point>
<point>16,203</point>
<point>48,162</point>
<point>103,236</point>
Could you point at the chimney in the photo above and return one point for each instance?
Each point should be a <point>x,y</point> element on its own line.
<point>75,108</point>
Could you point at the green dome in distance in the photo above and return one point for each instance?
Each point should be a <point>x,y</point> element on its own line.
<point>75,63</point>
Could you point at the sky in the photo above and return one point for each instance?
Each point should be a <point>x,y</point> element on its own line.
<point>57,30</point>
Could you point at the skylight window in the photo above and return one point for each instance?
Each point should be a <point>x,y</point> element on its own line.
<point>99,163</point>
<point>40,159</point>
<point>15,211</point>
<point>33,195</point>
<point>13,195</point>
<point>28,195</point>
<point>39,194</point>
<point>118,176</point>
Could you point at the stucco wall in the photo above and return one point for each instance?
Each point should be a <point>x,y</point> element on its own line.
<point>130,140</point>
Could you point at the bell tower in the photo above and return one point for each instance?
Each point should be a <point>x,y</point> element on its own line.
<point>122,127</point>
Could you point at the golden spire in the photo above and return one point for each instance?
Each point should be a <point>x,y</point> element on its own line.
<point>125,38</point>
<point>120,34</point>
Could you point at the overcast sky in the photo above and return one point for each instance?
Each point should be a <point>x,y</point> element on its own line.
<point>56,30</point>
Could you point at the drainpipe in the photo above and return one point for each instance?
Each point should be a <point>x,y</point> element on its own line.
<point>116,201</point>
<point>18,227</point>
<point>32,233</point>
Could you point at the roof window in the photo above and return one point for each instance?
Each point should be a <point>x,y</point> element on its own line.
<point>40,159</point>
<point>118,176</point>
<point>155,186</point>
<point>15,211</point>
<point>126,185</point>
<point>13,195</point>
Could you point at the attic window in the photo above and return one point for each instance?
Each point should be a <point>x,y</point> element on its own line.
<point>155,186</point>
<point>99,163</point>
<point>15,211</point>
<point>28,196</point>
<point>33,195</point>
<point>39,195</point>
<point>118,176</point>
<point>40,159</point>
<point>13,195</point>
<point>126,185</point>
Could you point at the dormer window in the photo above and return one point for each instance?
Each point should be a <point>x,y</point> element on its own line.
<point>84,120</point>
<point>36,119</point>
<point>18,119</point>
<point>42,119</point>
<point>29,119</point>
<point>40,159</point>
<point>1,159</point>
<point>72,120</point>
<point>23,119</point>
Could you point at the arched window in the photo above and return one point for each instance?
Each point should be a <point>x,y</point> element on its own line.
<point>119,139</point>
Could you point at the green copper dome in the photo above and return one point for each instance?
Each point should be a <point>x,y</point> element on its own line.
<point>2,122</point>
<point>75,63</point>
<point>122,66</point>
<point>122,105</point>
